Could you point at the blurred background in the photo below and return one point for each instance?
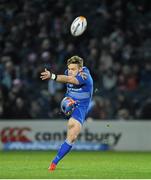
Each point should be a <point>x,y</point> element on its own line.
<point>116,48</point>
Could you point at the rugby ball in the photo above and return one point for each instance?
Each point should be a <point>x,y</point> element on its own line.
<point>78,26</point>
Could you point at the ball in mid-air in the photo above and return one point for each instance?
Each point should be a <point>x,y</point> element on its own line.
<point>78,26</point>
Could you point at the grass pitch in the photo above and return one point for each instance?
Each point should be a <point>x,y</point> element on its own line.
<point>76,165</point>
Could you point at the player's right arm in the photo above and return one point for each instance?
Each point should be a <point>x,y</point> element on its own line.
<point>59,78</point>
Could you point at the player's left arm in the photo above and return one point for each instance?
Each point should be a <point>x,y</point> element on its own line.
<point>59,78</point>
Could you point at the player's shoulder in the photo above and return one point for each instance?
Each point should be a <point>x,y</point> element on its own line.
<point>84,73</point>
<point>84,68</point>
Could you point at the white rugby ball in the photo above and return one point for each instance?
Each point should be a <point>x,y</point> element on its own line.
<point>78,26</point>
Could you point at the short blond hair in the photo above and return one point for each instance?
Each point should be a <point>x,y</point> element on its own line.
<point>75,60</point>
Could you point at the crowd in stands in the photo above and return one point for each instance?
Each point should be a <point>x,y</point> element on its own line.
<point>116,47</point>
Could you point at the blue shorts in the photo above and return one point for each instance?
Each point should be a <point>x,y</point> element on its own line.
<point>80,113</point>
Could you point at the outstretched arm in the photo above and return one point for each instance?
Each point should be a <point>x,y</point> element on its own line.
<point>59,78</point>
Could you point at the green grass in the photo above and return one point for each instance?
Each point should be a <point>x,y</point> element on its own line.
<point>77,165</point>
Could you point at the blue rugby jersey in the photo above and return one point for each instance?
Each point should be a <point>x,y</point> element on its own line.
<point>82,92</point>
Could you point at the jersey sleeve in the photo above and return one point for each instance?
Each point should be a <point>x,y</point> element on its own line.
<point>82,78</point>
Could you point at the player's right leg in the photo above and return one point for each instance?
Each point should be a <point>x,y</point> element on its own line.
<point>73,130</point>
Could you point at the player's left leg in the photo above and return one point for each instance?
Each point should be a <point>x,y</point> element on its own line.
<point>74,128</point>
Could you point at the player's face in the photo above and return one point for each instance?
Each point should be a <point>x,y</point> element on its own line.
<point>73,69</point>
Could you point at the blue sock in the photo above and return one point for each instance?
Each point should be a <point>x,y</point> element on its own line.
<point>64,149</point>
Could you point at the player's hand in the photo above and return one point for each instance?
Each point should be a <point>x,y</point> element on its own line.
<point>45,75</point>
